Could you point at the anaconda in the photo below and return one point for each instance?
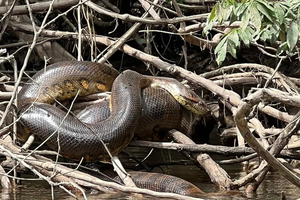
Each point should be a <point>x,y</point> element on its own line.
<point>78,139</point>
<point>84,140</point>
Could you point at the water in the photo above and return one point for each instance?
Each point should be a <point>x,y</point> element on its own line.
<point>271,187</point>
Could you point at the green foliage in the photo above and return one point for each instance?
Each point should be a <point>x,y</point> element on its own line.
<point>272,23</point>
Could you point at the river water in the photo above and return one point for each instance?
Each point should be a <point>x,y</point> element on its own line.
<point>271,188</point>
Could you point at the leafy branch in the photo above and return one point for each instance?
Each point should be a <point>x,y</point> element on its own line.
<point>270,23</point>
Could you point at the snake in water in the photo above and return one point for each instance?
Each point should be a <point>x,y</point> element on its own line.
<point>75,138</point>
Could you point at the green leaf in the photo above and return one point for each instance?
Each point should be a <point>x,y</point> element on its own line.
<point>233,36</point>
<point>245,20</point>
<point>241,9</point>
<point>246,36</point>
<point>233,42</point>
<point>213,12</point>
<point>231,48</point>
<point>282,33</point>
<point>292,35</point>
<point>264,36</point>
<point>221,44</point>
<point>223,12</point>
<point>255,18</point>
<point>233,18</point>
<point>221,50</point>
<point>218,13</point>
<point>294,5</point>
<point>279,12</point>
<point>221,55</point>
<point>209,26</point>
<point>267,4</point>
<point>250,33</point>
<point>274,32</point>
<point>265,9</point>
<point>298,16</point>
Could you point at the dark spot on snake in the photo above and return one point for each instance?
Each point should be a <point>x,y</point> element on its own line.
<point>101,82</point>
<point>58,88</point>
<point>66,82</point>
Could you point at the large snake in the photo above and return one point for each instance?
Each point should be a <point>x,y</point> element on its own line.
<point>76,138</point>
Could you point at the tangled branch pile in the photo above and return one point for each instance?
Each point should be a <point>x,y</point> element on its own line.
<point>201,42</point>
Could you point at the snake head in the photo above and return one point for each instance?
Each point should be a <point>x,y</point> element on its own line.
<point>185,96</point>
<point>191,101</point>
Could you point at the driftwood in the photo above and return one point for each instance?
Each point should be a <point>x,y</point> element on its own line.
<point>250,94</point>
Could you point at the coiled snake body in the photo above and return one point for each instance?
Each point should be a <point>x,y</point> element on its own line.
<point>77,139</point>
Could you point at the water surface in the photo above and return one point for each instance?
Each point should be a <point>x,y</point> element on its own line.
<point>271,187</point>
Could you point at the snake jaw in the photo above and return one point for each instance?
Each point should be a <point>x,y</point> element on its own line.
<point>195,105</point>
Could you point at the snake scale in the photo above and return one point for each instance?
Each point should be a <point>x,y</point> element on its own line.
<point>83,137</point>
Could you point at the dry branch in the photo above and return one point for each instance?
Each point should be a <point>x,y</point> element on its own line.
<point>38,7</point>
<point>131,18</point>
<point>217,175</point>
<point>204,148</point>
<point>240,119</point>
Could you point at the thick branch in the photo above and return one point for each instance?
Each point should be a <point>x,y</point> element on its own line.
<point>39,7</point>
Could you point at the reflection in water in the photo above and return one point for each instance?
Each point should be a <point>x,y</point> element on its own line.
<point>271,188</point>
<point>274,185</point>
